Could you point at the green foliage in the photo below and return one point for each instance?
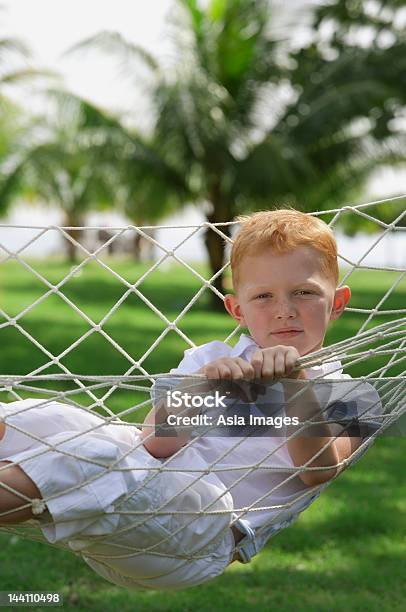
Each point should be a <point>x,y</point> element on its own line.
<point>14,126</point>
<point>321,144</point>
<point>10,126</point>
<point>61,159</point>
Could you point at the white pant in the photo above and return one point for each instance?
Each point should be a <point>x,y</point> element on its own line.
<point>107,502</point>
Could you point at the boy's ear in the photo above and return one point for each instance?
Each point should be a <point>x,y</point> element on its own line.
<point>341,298</point>
<point>233,308</point>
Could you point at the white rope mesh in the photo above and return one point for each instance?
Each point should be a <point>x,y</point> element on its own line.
<point>381,346</point>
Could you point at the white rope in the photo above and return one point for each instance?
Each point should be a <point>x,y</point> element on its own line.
<point>387,339</point>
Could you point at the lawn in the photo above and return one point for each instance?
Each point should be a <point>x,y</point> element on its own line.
<point>348,551</point>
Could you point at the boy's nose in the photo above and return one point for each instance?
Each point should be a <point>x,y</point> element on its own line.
<point>285,309</point>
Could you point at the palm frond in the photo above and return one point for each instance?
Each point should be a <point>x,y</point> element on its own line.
<point>18,76</point>
<point>14,46</point>
<point>113,43</point>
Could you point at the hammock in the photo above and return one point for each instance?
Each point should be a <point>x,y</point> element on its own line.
<point>381,345</point>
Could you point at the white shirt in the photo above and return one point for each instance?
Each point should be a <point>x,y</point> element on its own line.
<point>259,487</point>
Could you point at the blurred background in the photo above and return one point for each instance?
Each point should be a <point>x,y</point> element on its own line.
<point>180,111</point>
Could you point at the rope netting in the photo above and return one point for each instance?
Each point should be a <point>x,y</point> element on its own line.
<point>373,396</point>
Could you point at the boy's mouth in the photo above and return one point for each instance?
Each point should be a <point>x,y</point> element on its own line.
<point>287,333</point>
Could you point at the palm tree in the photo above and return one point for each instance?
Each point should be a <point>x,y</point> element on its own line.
<point>225,136</point>
<point>62,163</point>
<point>11,118</point>
<point>10,50</point>
<point>206,108</point>
<point>14,124</point>
<point>77,158</point>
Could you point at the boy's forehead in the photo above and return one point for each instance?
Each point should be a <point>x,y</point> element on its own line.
<point>301,263</point>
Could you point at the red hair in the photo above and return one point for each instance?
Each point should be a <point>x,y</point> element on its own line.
<point>283,230</point>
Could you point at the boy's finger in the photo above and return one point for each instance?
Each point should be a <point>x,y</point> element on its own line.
<point>257,361</point>
<point>249,392</point>
<point>279,364</point>
<point>290,362</point>
<point>211,371</point>
<point>239,387</point>
<point>224,372</point>
<point>268,367</point>
<point>246,368</point>
<point>236,370</point>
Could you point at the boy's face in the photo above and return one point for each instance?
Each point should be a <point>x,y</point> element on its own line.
<point>286,299</point>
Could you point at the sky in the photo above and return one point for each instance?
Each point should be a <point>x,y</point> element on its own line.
<point>51,27</point>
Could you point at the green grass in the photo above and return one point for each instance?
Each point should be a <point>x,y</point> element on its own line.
<point>347,552</point>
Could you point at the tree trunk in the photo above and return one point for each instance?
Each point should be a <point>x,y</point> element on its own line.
<point>137,241</point>
<point>215,244</point>
<point>71,249</point>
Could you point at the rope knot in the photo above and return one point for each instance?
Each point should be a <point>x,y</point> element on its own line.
<point>38,506</point>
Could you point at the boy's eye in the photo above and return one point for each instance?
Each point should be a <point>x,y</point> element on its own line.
<point>300,292</point>
<point>262,295</point>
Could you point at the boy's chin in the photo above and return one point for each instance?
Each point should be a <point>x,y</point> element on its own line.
<point>302,346</point>
<point>313,349</point>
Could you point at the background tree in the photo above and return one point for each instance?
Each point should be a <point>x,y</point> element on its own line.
<point>62,163</point>
<point>78,158</point>
<point>372,36</point>
<point>14,69</point>
<point>205,105</point>
<point>230,140</point>
<point>15,125</point>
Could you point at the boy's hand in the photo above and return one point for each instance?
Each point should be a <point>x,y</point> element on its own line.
<point>234,369</point>
<point>276,362</point>
<point>227,368</point>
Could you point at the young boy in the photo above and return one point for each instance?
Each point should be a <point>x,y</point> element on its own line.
<point>151,510</point>
<point>285,275</point>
